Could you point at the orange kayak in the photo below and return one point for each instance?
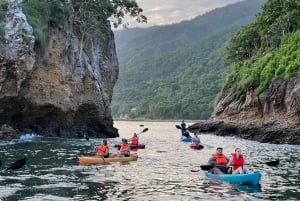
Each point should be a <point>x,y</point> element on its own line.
<point>88,160</point>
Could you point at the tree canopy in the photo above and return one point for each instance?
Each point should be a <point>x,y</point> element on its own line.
<point>266,49</point>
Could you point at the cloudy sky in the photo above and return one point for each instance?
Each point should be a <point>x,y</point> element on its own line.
<point>162,12</point>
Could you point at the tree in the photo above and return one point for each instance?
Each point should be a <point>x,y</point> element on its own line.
<point>91,15</point>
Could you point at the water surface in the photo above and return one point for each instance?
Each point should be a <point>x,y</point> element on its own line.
<point>166,170</point>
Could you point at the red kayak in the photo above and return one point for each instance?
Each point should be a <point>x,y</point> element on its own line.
<point>133,146</point>
<point>197,146</point>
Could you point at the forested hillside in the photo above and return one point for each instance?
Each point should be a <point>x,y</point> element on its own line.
<point>176,71</point>
<point>266,49</point>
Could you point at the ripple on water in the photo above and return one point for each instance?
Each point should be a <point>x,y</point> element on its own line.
<point>166,170</point>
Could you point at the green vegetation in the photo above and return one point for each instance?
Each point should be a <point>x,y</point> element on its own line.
<point>176,71</point>
<point>184,88</point>
<point>3,10</point>
<point>266,49</point>
<point>88,15</point>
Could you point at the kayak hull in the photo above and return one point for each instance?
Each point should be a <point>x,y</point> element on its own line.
<point>250,178</point>
<point>133,146</point>
<point>138,146</point>
<point>197,146</point>
<point>89,160</point>
<point>185,139</point>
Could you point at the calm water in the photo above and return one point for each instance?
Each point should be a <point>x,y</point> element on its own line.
<point>166,170</point>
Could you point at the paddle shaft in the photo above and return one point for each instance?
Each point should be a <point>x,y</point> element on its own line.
<point>143,131</point>
<point>209,167</point>
<point>18,164</point>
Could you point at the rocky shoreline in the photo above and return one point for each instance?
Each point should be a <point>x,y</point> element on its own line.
<point>270,133</point>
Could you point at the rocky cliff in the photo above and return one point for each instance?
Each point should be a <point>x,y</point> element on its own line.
<point>64,92</point>
<point>272,116</point>
<point>279,104</point>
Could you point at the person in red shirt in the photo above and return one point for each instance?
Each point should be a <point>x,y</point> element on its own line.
<point>103,150</point>
<point>125,148</point>
<point>135,139</point>
<point>237,161</point>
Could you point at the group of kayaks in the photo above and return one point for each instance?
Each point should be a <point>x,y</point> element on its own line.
<point>252,178</point>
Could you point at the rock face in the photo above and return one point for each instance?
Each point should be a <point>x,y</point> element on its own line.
<point>272,116</point>
<point>276,134</point>
<point>279,104</point>
<point>67,91</point>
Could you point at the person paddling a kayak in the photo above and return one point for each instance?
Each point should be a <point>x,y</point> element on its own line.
<point>195,139</point>
<point>220,161</point>
<point>125,148</point>
<point>135,139</point>
<point>103,150</point>
<point>237,161</point>
<point>184,131</point>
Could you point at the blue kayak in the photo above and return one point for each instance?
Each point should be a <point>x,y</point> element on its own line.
<point>185,139</point>
<point>252,178</point>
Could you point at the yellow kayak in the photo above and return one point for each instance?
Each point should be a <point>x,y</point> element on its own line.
<point>87,160</point>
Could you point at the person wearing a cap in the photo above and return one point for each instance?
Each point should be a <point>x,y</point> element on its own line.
<point>220,161</point>
<point>125,148</point>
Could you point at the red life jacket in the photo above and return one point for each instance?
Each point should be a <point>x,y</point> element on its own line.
<point>237,162</point>
<point>124,147</point>
<point>220,159</point>
<point>102,149</point>
<point>135,140</point>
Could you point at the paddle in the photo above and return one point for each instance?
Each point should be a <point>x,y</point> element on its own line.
<point>104,161</point>
<point>0,163</point>
<point>145,130</point>
<point>18,164</point>
<point>209,167</point>
<point>186,134</point>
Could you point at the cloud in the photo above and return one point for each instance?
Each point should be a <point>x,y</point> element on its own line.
<point>161,12</point>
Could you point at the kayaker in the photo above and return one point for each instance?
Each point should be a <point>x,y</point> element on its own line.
<point>125,148</point>
<point>135,139</point>
<point>184,132</point>
<point>183,127</point>
<point>237,161</point>
<point>220,161</point>
<point>195,139</point>
<point>103,150</point>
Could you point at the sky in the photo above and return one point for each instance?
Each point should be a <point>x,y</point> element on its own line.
<point>163,12</point>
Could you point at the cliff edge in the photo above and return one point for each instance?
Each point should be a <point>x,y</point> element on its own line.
<point>63,91</point>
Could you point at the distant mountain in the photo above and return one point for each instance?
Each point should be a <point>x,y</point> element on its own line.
<point>175,71</point>
<point>140,43</point>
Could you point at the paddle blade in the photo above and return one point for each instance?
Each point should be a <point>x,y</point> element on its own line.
<point>206,167</point>
<point>18,164</point>
<point>177,126</point>
<point>273,163</point>
<point>146,129</point>
<point>0,163</point>
<point>118,146</point>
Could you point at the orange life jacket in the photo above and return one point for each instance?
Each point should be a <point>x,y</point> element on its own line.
<point>124,147</point>
<point>220,159</point>
<point>237,162</point>
<point>102,149</point>
<point>135,140</point>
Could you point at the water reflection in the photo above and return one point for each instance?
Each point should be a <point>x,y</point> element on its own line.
<point>166,170</point>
